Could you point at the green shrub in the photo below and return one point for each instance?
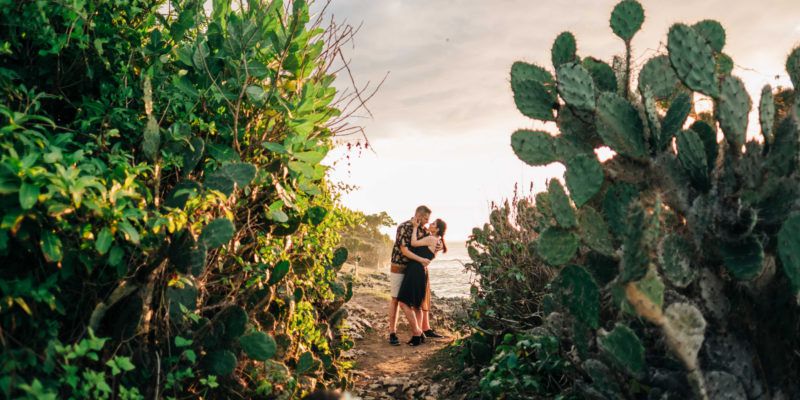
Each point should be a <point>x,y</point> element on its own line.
<point>161,185</point>
<point>681,276</point>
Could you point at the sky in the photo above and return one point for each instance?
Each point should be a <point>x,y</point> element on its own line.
<point>442,121</point>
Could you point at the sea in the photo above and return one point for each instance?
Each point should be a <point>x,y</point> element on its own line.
<point>448,276</point>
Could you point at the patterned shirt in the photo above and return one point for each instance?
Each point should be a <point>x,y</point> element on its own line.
<point>403,238</point>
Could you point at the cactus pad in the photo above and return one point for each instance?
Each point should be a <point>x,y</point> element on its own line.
<point>220,362</point>
<point>217,233</point>
<point>789,250</point>
<point>224,177</point>
<point>534,91</point>
<point>693,59</point>
<point>181,297</point>
<point>782,157</point>
<point>722,385</point>
<point>556,245</point>
<point>560,204</point>
<point>186,254</point>
<point>634,255</point>
<point>674,119</point>
<point>594,231</point>
<point>534,147</point>
<point>652,118</point>
<point>713,32</point>
<point>793,67</point>
<point>584,176</point>
<point>733,109</point>
<point>619,125</point>
<point>258,345</point>
<point>692,155</point>
<point>339,257</point>
<point>306,363</point>
<point>602,74</point>
<point>181,193</point>
<point>576,86</point>
<point>623,349</point>
<point>615,206</point>
<point>626,19</point>
<point>724,64</point>
<point>234,318</point>
<point>658,75</point>
<point>675,255</point>
<point>743,259</point>
<point>709,138</point>
<point>563,50</point>
<point>685,331</point>
<point>579,293</point>
<point>766,113</point>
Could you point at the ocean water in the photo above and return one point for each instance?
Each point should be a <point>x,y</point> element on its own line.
<point>447,274</point>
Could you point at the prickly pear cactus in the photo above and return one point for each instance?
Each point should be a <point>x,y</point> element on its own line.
<point>679,241</point>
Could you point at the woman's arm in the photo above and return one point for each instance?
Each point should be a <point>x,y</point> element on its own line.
<point>410,255</point>
<point>426,241</point>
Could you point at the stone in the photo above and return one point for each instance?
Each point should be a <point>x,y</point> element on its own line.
<point>392,389</point>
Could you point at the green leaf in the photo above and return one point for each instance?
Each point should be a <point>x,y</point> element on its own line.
<point>51,246</point>
<point>744,259</point>
<point>131,234</point>
<point>28,195</point>
<point>278,272</point>
<point>223,177</point>
<point>103,241</point>
<point>180,341</point>
<point>217,233</point>
<point>258,345</point>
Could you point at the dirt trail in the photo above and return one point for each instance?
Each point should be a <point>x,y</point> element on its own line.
<point>394,372</point>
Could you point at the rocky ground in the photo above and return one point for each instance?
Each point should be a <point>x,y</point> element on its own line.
<point>382,371</point>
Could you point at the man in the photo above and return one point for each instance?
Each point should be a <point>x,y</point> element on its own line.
<point>401,254</point>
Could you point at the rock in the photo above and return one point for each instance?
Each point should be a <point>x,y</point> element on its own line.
<point>429,398</point>
<point>392,389</point>
<point>422,388</point>
<point>375,386</point>
<point>392,381</point>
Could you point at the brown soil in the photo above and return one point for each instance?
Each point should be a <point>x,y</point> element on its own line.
<point>382,371</point>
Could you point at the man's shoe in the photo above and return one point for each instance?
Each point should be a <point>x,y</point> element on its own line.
<point>393,340</point>
<point>415,341</point>
<point>432,334</point>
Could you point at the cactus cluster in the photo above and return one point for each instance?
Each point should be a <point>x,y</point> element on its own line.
<point>654,248</point>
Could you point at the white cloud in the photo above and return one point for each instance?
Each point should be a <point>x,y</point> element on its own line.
<point>448,92</point>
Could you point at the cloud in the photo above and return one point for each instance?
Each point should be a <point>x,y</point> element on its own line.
<point>448,90</point>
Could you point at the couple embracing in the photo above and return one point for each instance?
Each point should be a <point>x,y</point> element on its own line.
<point>415,245</point>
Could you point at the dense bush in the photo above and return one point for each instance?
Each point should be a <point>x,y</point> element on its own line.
<point>365,242</point>
<point>166,226</point>
<point>675,261</point>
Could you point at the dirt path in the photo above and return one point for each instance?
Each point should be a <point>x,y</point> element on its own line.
<point>382,371</point>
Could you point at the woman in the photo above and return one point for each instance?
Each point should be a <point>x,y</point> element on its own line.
<point>414,287</point>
